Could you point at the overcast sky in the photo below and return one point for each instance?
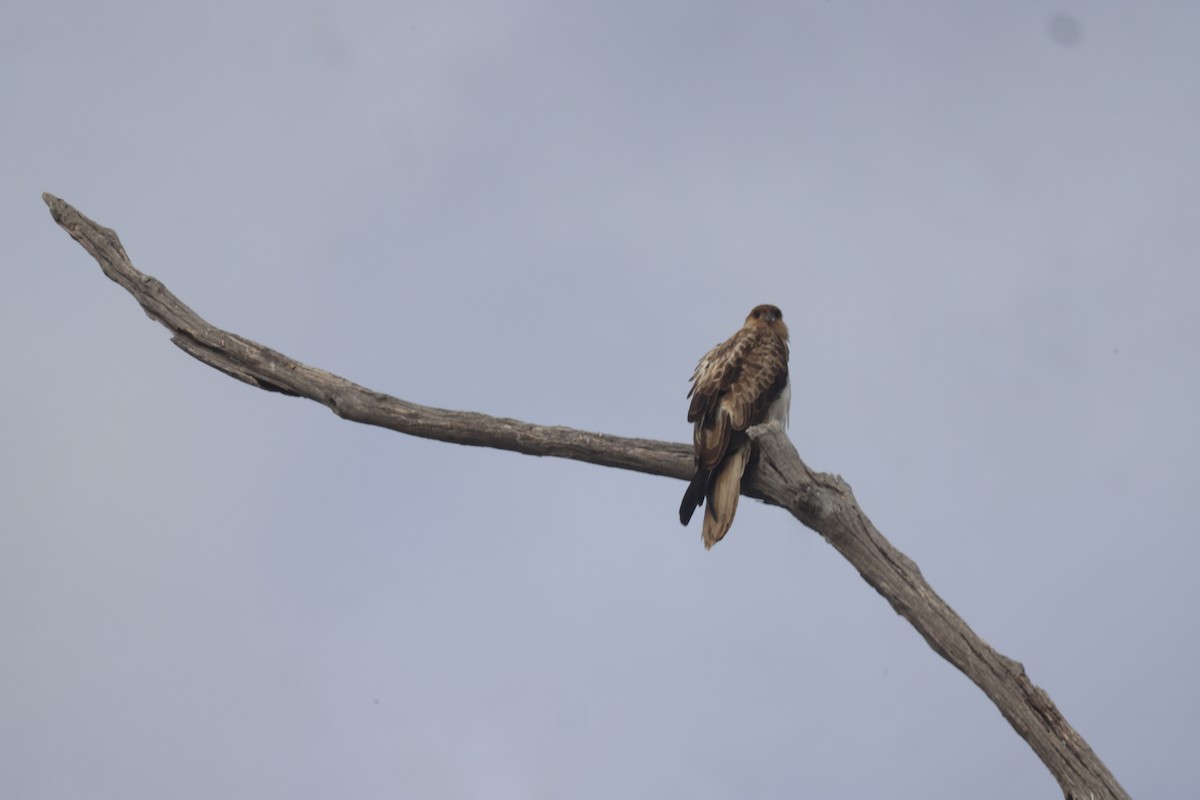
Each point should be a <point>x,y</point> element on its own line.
<point>979,219</point>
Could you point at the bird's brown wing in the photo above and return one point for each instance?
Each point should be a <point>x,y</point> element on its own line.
<point>732,387</point>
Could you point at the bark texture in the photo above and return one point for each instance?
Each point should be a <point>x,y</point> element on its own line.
<point>821,501</point>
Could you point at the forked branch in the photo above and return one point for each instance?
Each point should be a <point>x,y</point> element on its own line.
<point>820,501</point>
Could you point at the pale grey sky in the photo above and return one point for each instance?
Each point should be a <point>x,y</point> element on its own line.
<point>979,220</point>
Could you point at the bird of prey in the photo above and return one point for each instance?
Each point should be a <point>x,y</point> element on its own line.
<point>741,382</point>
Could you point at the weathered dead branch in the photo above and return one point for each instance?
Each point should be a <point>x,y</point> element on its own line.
<point>820,501</point>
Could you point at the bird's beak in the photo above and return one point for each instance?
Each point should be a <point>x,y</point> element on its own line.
<point>771,317</point>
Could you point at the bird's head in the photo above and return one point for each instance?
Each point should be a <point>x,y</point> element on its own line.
<point>766,316</point>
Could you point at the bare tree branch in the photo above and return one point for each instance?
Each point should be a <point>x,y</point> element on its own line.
<point>820,501</point>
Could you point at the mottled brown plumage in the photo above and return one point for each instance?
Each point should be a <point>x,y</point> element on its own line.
<point>740,383</point>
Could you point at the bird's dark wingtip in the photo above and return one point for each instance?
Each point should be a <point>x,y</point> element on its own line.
<point>693,498</point>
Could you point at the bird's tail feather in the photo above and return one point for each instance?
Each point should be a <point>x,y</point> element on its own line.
<point>722,495</point>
